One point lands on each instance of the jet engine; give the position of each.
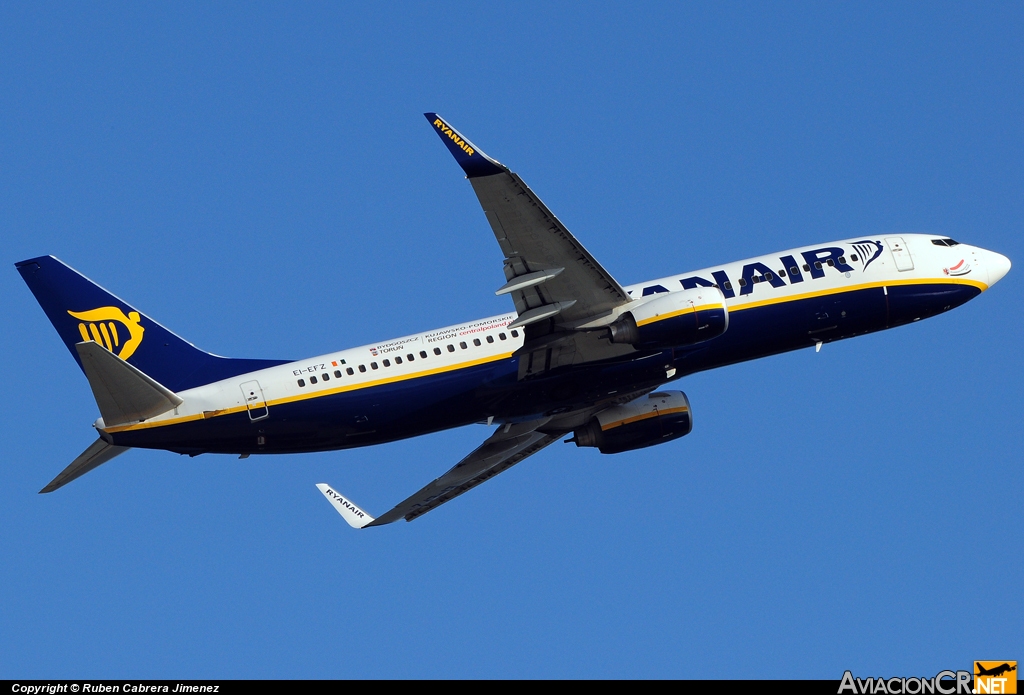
(659, 417)
(673, 319)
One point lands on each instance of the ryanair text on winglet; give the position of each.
(454, 136)
(346, 504)
(943, 683)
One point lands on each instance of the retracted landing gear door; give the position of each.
(254, 400)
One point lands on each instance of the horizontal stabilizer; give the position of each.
(355, 516)
(123, 393)
(97, 454)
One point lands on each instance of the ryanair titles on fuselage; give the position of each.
(812, 264)
(443, 127)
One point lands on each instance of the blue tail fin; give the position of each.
(81, 310)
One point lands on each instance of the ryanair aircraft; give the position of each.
(581, 356)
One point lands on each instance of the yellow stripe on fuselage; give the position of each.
(472, 363)
(853, 288)
(314, 394)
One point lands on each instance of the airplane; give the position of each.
(582, 356)
(995, 670)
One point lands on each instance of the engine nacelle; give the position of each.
(660, 417)
(673, 318)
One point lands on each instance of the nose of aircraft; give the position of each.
(997, 266)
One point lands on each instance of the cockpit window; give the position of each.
(945, 242)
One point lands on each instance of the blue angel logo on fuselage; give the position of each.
(868, 251)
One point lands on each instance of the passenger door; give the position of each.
(254, 401)
(900, 254)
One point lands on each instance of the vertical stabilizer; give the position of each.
(82, 311)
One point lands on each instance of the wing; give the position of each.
(498, 453)
(510, 444)
(507, 446)
(549, 274)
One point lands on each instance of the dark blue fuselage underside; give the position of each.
(441, 401)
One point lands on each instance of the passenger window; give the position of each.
(807, 268)
(476, 341)
(782, 273)
(728, 285)
(490, 339)
(831, 263)
(362, 367)
(462, 345)
(437, 351)
(515, 333)
(817, 264)
(853, 258)
(768, 276)
(325, 376)
(410, 358)
(794, 271)
(756, 279)
(398, 360)
(373, 365)
(501, 336)
(302, 382)
(423, 355)
(451, 348)
(337, 373)
(387, 363)
(312, 379)
(350, 372)
(842, 259)
(743, 282)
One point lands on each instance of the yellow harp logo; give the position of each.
(101, 325)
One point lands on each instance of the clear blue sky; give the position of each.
(260, 179)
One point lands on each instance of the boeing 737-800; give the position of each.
(581, 356)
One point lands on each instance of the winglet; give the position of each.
(474, 162)
(355, 516)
